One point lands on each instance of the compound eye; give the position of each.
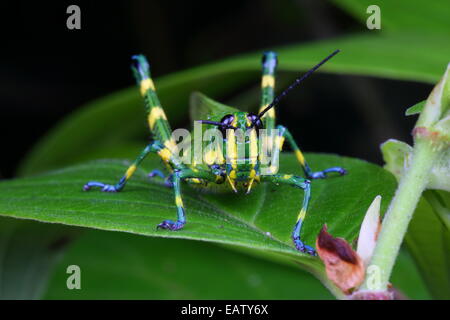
(255, 120)
(227, 120)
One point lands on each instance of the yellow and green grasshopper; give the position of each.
(229, 169)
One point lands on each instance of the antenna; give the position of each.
(296, 83)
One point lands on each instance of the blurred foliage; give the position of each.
(412, 16)
(28, 253)
(118, 118)
(428, 239)
(122, 266)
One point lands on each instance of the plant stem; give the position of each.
(399, 214)
(338, 294)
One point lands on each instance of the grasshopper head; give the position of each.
(237, 120)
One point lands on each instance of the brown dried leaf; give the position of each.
(343, 265)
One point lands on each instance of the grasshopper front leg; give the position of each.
(305, 185)
(178, 176)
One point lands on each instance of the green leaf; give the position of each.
(262, 220)
(151, 268)
(399, 15)
(440, 203)
(202, 107)
(415, 109)
(28, 253)
(119, 118)
(124, 266)
(428, 239)
(396, 155)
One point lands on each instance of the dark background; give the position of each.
(47, 71)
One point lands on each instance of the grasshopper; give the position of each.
(225, 171)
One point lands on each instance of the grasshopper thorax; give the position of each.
(240, 147)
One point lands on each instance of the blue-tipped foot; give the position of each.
(341, 171)
(170, 225)
(323, 174)
(300, 246)
(104, 187)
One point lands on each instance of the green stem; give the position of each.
(398, 216)
(338, 294)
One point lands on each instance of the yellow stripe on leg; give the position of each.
(171, 145)
(165, 154)
(145, 85)
(279, 142)
(178, 201)
(301, 215)
(130, 171)
(268, 81)
(156, 113)
(262, 108)
(300, 157)
(270, 113)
